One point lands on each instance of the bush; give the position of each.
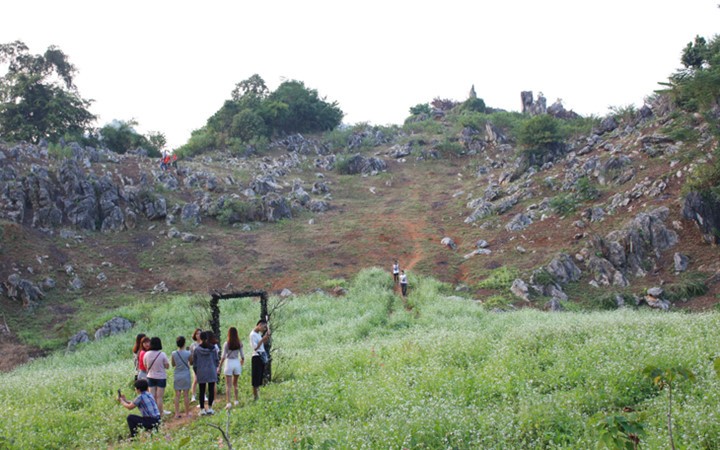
(200, 141)
(237, 211)
(500, 278)
(420, 108)
(540, 136)
(563, 204)
(586, 190)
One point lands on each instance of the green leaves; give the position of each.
(618, 432)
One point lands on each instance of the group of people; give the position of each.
(399, 276)
(196, 368)
(168, 161)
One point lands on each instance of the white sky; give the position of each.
(171, 64)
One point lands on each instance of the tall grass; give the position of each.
(369, 371)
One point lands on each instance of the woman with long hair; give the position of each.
(196, 341)
(205, 362)
(144, 348)
(136, 353)
(232, 355)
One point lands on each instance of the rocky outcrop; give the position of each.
(705, 212)
(113, 326)
(24, 291)
(640, 243)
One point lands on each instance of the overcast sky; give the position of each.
(172, 64)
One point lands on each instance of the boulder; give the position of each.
(448, 242)
(190, 214)
(705, 212)
(681, 262)
(23, 290)
(113, 326)
(563, 269)
(79, 338)
(520, 289)
(519, 223)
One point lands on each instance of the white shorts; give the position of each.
(233, 367)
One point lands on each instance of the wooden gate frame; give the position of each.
(215, 319)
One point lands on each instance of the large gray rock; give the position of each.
(681, 262)
(190, 214)
(23, 290)
(519, 223)
(79, 338)
(563, 269)
(276, 208)
(81, 203)
(705, 212)
(113, 326)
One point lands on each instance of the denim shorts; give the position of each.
(157, 382)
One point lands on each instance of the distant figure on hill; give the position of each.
(174, 161)
(145, 402)
(396, 271)
(181, 360)
(259, 355)
(156, 362)
(232, 355)
(403, 283)
(205, 361)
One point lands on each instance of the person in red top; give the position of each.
(145, 347)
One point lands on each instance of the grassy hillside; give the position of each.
(369, 371)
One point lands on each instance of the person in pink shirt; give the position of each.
(156, 363)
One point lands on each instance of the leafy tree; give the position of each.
(253, 86)
(541, 136)
(38, 99)
(420, 108)
(120, 137)
(306, 111)
(666, 377)
(474, 104)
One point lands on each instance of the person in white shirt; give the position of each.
(259, 356)
(396, 271)
(234, 359)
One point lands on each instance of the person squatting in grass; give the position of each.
(181, 360)
(234, 358)
(259, 356)
(150, 414)
(136, 353)
(403, 283)
(196, 342)
(205, 362)
(156, 362)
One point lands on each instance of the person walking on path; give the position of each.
(181, 360)
(234, 358)
(403, 283)
(156, 362)
(259, 356)
(205, 361)
(396, 271)
(150, 418)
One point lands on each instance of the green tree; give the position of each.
(38, 99)
(420, 108)
(120, 136)
(306, 111)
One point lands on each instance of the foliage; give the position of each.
(696, 87)
(691, 284)
(665, 377)
(500, 278)
(38, 99)
(120, 136)
(473, 104)
(362, 371)
(585, 190)
(706, 179)
(619, 432)
(420, 108)
(237, 211)
(253, 114)
(540, 135)
(563, 204)
(496, 301)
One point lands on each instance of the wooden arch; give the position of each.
(215, 319)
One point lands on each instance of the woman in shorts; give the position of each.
(234, 359)
(156, 363)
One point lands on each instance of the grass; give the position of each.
(361, 371)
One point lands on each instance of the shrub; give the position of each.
(420, 108)
(237, 211)
(201, 140)
(563, 204)
(585, 189)
(500, 278)
(540, 136)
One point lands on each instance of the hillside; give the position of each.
(593, 225)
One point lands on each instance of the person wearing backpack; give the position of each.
(181, 360)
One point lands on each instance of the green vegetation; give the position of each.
(361, 371)
(254, 114)
(120, 137)
(500, 278)
(38, 99)
(540, 136)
